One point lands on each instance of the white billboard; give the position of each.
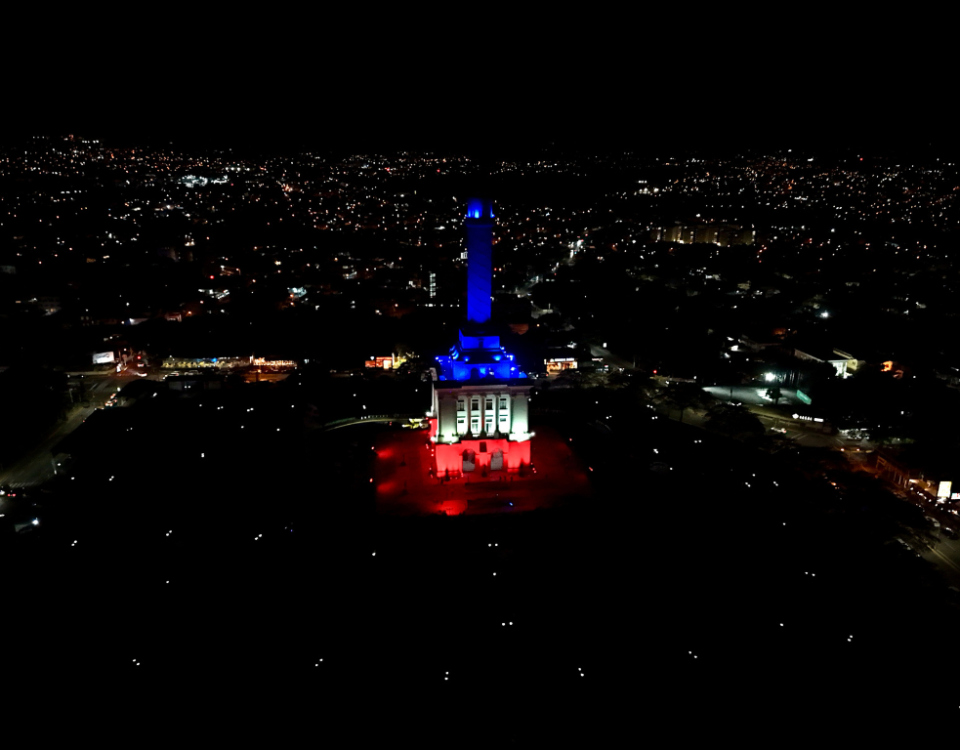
(944, 490)
(104, 358)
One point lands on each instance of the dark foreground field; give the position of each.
(274, 578)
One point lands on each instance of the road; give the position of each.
(754, 398)
(796, 431)
(752, 395)
(946, 556)
(946, 552)
(35, 466)
(609, 357)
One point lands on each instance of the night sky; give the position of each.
(501, 86)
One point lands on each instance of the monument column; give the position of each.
(479, 223)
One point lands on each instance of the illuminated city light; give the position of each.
(845, 196)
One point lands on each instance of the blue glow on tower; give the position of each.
(478, 354)
(479, 223)
(478, 208)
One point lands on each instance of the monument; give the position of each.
(479, 420)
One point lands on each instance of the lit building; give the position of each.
(393, 362)
(480, 397)
(555, 365)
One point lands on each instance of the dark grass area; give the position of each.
(621, 587)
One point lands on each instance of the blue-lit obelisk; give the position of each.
(479, 225)
(480, 399)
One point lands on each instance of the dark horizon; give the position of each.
(509, 148)
(727, 108)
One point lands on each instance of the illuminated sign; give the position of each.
(261, 362)
(104, 358)
(944, 490)
(383, 363)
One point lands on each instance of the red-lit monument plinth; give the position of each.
(494, 454)
(409, 480)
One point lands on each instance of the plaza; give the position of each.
(407, 484)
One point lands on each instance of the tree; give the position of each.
(734, 421)
(571, 377)
(684, 396)
(777, 444)
(593, 379)
(621, 379)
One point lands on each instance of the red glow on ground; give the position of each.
(407, 482)
(449, 458)
(453, 507)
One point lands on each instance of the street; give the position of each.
(797, 431)
(609, 358)
(946, 556)
(945, 553)
(36, 465)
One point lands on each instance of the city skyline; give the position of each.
(264, 427)
(770, 82)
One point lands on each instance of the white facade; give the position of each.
(488, 411)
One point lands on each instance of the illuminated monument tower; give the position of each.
(480, 399)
